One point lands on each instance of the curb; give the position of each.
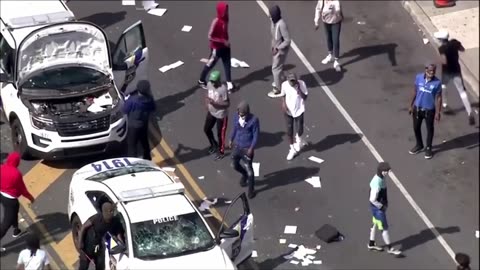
(424, 22)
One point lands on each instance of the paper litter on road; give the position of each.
(306, 263)
(292, 246)
(157, 11)
(201, 177)
(294, 262)
(228, 202)
(310, 257)
(171, 66)
(314, 181)
(290, 229)
(128, 2)
(315, 159)
(234, 62)
(168, 169)
(425, 41)
(318, 246)
(254, 254)
(476, 234)
(186, 28)
(282, 241)
(361, 23)
(256, 169)
(297, 208)
(317, 262)
(204, 60)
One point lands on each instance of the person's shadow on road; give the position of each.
(468, 141)
(331, 141)
(262, 74)
(267, 139)
(285, 177)
(171, 103)
(365, 52)
(329, 76)
(105, 19)
(423, 237)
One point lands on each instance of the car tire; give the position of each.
(19, 141)
(76, 226)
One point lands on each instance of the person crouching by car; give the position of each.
(138, 107)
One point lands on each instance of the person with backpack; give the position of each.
(331, 13)
(33, 258)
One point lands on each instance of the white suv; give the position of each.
(59, 82)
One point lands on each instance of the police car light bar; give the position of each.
(142, 193)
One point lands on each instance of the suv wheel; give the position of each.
(19, 141)
(76, 226)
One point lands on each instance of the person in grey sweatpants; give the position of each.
(280, 47)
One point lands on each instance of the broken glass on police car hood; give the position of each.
(64, 45)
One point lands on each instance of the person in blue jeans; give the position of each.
(243, 140)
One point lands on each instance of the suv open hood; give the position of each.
(63, 44)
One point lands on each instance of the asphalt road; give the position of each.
(381, 56)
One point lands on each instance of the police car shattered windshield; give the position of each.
(170, 237)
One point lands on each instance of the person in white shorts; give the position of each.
(33, 258)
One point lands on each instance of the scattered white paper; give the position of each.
(290, 229)
(361, 23)
(318, 247)
(292, 246)
(171, 66)
(206, 203)
(315, 159)
(282, 241)
(301, 252)
(297, 208)
(476, 234)
(157, 11)
(317, 262)
(314, 181)
(306, 263)
(425, 41)
(103, 100)
(128, 2)
(22, 220)
(168, 169)
(201, 177)
(294, 262)
(94, 108)
(254, 254)
(186, 28)
(234, 62)
(256, 169)
(204, 60)
(228, 202)
(164, 69)
(310, 257)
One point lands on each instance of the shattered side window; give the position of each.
(170, 237)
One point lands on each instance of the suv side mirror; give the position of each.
(5, 78)
(229, 233)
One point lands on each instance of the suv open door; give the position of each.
(130, 58)
(240, 247)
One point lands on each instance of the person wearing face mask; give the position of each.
(294, 107)
(331, 13)
(280, 47)
(243, 140)
(426, 103)
(378, 206)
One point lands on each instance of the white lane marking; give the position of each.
(367, 143)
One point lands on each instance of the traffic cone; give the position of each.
(443, 3)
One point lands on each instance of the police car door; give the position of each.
(117, 254)
(130, 58)
(241, 247)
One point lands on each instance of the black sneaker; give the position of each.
(202, 84)
(428, 153)
(374, 247)
(243, 182)
(212, 150)
(415, 150)
(471, 120)
(16, 233)
(252, 194)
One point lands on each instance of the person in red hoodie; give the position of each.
(219, 46)
(11, 188)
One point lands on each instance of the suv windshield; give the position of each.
(66, 78)
(170, 237)
(135, 168)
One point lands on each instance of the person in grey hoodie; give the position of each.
(280, 47)
(331, 13)
(138, 107)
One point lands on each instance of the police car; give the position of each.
(163, 228)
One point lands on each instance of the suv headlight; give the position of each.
(42, 123)
(116, 115)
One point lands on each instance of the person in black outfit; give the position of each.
(91, 236)
(138, 108)
(463, 261)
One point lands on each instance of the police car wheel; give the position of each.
(76, 226)
(19, 141)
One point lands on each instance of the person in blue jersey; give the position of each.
(378, 205)
(426, 104)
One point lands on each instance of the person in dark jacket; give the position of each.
(243, 140)
(219, 46)
(138, 108)
(11, 188)
(463, 261)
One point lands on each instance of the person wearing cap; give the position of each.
(451, 71)
(293, 105)
(217, 104)
(138, 107)
(426, 104)
(463, 261)
(243, 139)
(378, 206)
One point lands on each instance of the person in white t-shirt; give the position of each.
(293, 105)
(33, 258)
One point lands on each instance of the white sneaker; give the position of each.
(273, 84)
(292, 153)
(299, 143)
(327, 59)
(337, 66)
(229, 86)
(2, 249)
(393, 251)
(275, 94)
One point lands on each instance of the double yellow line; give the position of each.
(42, 176)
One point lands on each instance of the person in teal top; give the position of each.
(378, 206)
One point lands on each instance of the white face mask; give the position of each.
(241, 121)
(385, 173)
